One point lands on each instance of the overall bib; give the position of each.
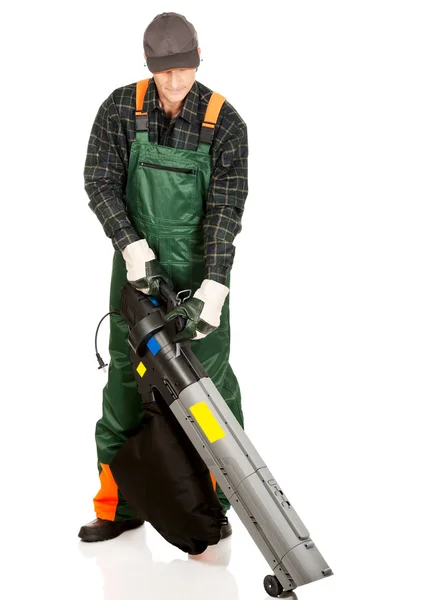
(166, 199)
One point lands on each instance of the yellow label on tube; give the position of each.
(207, 421)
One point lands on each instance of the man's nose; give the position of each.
(175, 79)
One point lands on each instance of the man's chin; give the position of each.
(176, 97)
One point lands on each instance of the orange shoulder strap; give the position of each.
(213, 108)
(141, 92)
(215, 103)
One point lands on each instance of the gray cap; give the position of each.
(170, 42)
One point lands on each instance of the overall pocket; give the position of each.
(168, 193)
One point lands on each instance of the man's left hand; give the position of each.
(202, 312)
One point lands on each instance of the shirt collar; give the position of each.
(189, 110)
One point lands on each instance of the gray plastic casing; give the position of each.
(251, 489)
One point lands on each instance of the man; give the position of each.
(166, 175)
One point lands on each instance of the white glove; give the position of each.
(213, 294)
(202, 312)
(143, 269)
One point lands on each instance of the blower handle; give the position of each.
(172, 299)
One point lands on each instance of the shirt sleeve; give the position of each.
(227, 194)
(105, 175)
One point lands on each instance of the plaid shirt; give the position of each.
(107, 161)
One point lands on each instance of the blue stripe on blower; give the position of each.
(153, 345)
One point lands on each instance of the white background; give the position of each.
(335, 294)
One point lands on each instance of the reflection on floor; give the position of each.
(130, 573)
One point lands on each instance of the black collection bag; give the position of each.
(166, 482)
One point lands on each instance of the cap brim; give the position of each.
(186, 60)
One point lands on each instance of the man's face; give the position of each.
(175, 83)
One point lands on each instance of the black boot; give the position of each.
(226, 528)
(101, 529)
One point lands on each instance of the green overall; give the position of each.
(166, 197)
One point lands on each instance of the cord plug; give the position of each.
(101, 363)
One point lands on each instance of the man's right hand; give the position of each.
(144, 271)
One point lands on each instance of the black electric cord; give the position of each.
(101, 362)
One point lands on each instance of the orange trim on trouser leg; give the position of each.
(213, 481)
(106, 501)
